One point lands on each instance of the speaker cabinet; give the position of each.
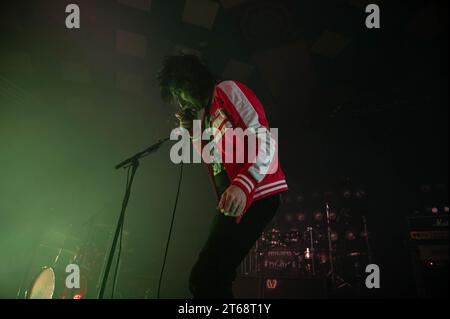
(431, 271)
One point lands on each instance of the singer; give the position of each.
(248, 193)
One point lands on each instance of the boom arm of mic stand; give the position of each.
(142, 154)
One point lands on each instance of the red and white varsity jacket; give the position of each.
(234, 105)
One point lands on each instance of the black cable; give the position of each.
(170, 231)
(116, 270)
(117, 264)
(132, 164)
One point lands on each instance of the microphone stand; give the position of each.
(330, 247)
(132, 162)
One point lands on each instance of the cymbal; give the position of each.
(356, 254)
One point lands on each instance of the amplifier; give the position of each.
(426, 228)
(428, 238)
(428, 235)
(430, 253)
(429, 250)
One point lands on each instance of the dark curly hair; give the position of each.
(185, 72)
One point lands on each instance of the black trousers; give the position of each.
(227, 245)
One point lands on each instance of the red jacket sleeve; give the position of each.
(246, 112)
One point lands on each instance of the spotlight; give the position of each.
(350, 235)
(323, 258)
(360, 194)
(301, 217)
(347, 193)
(334, 235)
(425, 188)
(333, 215)
(287, 198)
(318, 215)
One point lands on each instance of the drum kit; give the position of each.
(47, 272)
(85, 247)
(327, 241)
(327, 238)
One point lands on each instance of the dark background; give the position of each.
(351, 104)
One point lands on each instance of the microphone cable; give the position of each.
(170, 231)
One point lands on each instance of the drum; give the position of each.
(322, 257)
(319, 216)
(43, 285)
(334, 236)
(46, 274)
(280, 260)
(270, 239)
(292, 238)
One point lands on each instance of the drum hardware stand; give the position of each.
(330, 247)
(312, 252)
(336, 281)
(133, 163)
(26, 277)
(257, 259)
(358, 278)
(366, 236)
(339, 282)
(357, 263)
